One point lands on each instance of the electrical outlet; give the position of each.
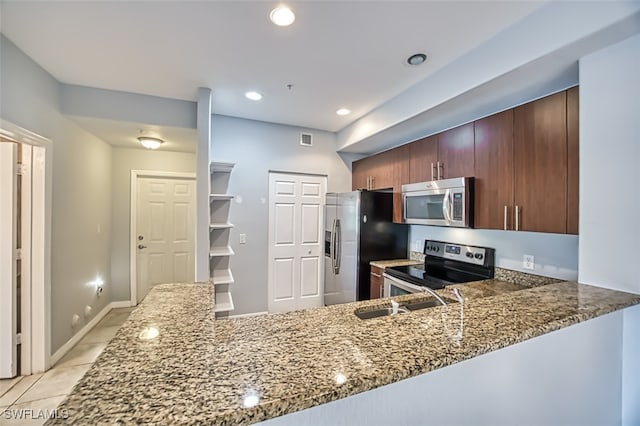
(243, 238)
(528, 261)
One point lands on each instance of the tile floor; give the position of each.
(38, 394)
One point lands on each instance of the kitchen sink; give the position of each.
(424, 304)
(368, 313)
(381, 312)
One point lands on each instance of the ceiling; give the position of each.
(336, 54)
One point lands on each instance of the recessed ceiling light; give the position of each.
(343, 111)
(254, 96)
(417, 59)
(150, 143)
(282, 16)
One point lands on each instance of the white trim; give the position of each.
(121, 304)
(8, 317)
(252, 314)
(135, 174)
(69, 344)
(41, 202)
(25, 268)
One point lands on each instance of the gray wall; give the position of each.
(609, 105)
(125, 160)
(256, 148)
(81, 190)
(556, 255)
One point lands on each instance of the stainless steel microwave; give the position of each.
(446, 202)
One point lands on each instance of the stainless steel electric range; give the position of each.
(444, 264)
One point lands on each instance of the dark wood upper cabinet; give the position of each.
(540, 152)
(382, 172)
(572, 160)
(494, 173)
(360, 173)
(423, 158)
(455, 152)
(402, 159)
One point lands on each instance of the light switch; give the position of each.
(243, 238)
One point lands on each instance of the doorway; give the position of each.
(162, 230)
(24, 285)
(296, 220)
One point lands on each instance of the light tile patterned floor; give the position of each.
(27, 400)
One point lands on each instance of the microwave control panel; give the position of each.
(458, 206)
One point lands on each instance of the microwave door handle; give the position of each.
(445, 206)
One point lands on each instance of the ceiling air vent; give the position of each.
(306, 139)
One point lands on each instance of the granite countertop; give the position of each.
(239, 371)
(395, 262)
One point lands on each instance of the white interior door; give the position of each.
(165, 227)
(296, 241)
(8, 262)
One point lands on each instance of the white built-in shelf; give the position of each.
(220, 197)
(221, 225)
(221, 251)
(221, 167)
(223, 276)
(224, 302)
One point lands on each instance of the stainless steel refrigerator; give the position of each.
(358, 229)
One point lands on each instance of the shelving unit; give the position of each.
(219, 230)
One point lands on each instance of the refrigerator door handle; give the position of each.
(338, 253)
(332, 247)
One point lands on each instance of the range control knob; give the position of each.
(437, 249)
(479, 256)
(469, 254)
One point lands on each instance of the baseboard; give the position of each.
(57, 355)
(252, 314)
(121, 304)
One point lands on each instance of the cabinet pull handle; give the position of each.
(376, 275)
(517, 218)
(381, 290)
(432, 173)
(505, 217)
(373, 182)
(440, 168)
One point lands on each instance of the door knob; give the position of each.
(140, 246)
(309, 252)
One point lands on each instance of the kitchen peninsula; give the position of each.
(172, 362)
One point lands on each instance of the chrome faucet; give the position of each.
(457, 294)
(434, 294)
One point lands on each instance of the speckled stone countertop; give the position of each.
(197, 370)
(395, 262)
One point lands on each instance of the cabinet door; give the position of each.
(360, 171)
(377, 283)
(382, 170)
(573, 186)
(455, 152)
(423, 157)
(400, 177)
(540, 152)
(494, 171)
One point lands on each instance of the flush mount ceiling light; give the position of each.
(417, 59)
(150, 143)
(343, 111)
(254, 96)
(282, 16)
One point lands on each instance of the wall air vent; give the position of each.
(306, 139)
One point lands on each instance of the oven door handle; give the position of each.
(411, 288)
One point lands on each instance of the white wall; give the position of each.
(125, 160)
(80, 172)
(256, 148)
(609, 194)
(555, 255)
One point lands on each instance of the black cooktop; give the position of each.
(417, 275)
(447, 263)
